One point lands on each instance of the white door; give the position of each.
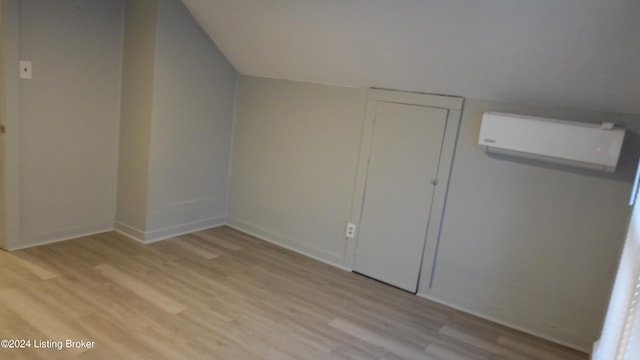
(403, 164)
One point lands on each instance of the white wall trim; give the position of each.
(11, 108)
(61, 235)
(129, 231)
(149, 237)
(182, 229)
(439, 201)
(287, 243)
(494, 316)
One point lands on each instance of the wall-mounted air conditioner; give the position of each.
(591, 146)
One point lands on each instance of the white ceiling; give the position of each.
(570, 53)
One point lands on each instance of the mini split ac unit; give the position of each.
(591, 146)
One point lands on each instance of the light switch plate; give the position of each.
(25, 70)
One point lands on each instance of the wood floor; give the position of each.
(221, 294)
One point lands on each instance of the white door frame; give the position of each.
(454, 105)
(10, 89)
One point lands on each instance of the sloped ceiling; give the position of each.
(571, 53)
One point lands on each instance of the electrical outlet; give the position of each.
(351, 231)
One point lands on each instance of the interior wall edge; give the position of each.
(119, 111)
(10, 89)
(129, 231)
(149, 237)
(136, 92)
(234, 121)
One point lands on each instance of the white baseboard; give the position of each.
(129, 231)
(149, 237)
(61, 235)
(182, 229)
(288, 244)
(557, 337)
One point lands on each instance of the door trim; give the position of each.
(452, 103)
(10, 88)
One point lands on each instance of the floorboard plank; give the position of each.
(223, 294)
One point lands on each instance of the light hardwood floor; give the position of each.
(221, 294)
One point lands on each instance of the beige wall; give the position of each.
(193, 103)
(532, 246)
(295, 156)
(135, 122)
(178, 103)
(68, 117)
(120, 123)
